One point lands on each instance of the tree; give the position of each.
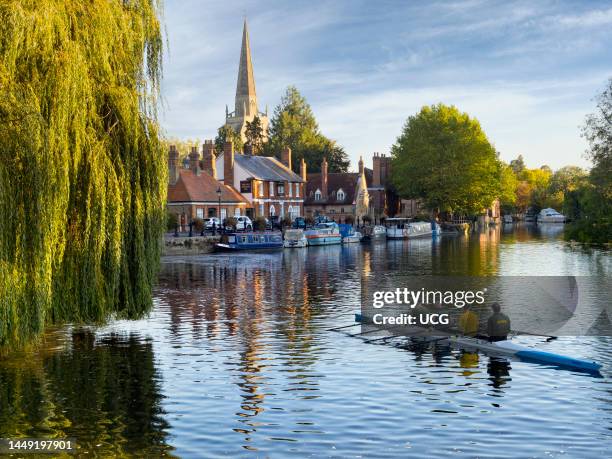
(182, 146)
(444, 158)
(508, 188)
(83, 174)
(225, 134)
(255, 135)
(518, 165)
(598, 132)
(294, 125)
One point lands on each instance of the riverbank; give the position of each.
(184, 245)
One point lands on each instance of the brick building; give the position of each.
(194, 192)
(269, 185)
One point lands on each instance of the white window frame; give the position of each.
(318, 195)
(262, 209)
(290, 186)
(199, 212)
(237, 212)
(271, 188)
(223, 214)
(340, 195)
(272, 210)
(260, 189)
(297, 190)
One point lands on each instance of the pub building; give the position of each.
(270, 187)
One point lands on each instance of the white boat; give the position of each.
(403, 228)
(550, 215)
(508, 219)
(294, 238)
(355, 237)
(324, 234)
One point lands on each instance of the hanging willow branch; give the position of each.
(82, 174)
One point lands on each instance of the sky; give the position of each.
(528, 71)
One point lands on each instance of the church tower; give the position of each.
(245, 105)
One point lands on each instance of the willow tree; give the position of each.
(82, 172)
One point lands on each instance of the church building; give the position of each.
(245, 104)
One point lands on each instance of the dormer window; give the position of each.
(340, 195)
(318, 195)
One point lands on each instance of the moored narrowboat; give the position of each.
(324, 234)
(269, 240)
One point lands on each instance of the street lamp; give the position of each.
(219, 208)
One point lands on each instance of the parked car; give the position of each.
(299, 223)
(208, 223)
(244, 223)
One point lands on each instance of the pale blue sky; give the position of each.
(527, 70)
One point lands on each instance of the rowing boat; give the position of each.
(511, 349)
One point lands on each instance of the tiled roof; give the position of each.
(335, 180)
(201, 188)
(265, 168)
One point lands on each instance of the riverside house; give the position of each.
(194, 192)
(270, 187)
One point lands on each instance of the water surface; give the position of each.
(237, 359)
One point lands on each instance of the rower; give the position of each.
(468, 322)
(498, 325)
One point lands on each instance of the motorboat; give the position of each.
(550, 215)
(403, 228)
(295, 238)
(324, 234)
(348, 233)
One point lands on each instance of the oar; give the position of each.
(548, 337)
(340, 328)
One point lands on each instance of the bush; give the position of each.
(259, 224)
(286, 221)
(590, 232)
(230, 222)
(171, 221)
(366, 219)
(309, 220)
(349, 220)
(198, 224)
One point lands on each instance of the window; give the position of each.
(297, 190)
(200, 212)
(237, 212)
(272, 211)
(280, 189)
(271, 188)
(290, 186)
(261, 209)
(260, 189)
(223, 214)
(318, 195)
(340, 195)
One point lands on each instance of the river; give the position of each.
(236, 358)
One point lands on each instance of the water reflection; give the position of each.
(104, 391)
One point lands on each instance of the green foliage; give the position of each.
(230, 222)
(259, 224)
(294, 125)
(255, 135)
(508, 187)
(171, 221)
(444, 158)
(82, 171)
(225, 134)
(198, 224)
(518, 165)
(590, 203)
(182, 146)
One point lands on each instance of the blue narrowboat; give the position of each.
(270, 240)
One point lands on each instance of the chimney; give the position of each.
(228, 163)
(173, 166)
(209, 158)
(324, 178)
(286, 157)
(303, 169)
(360, 166)
(194, 161)
(376, 170)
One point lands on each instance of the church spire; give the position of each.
(246, 99)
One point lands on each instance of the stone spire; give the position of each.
(246, 99)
